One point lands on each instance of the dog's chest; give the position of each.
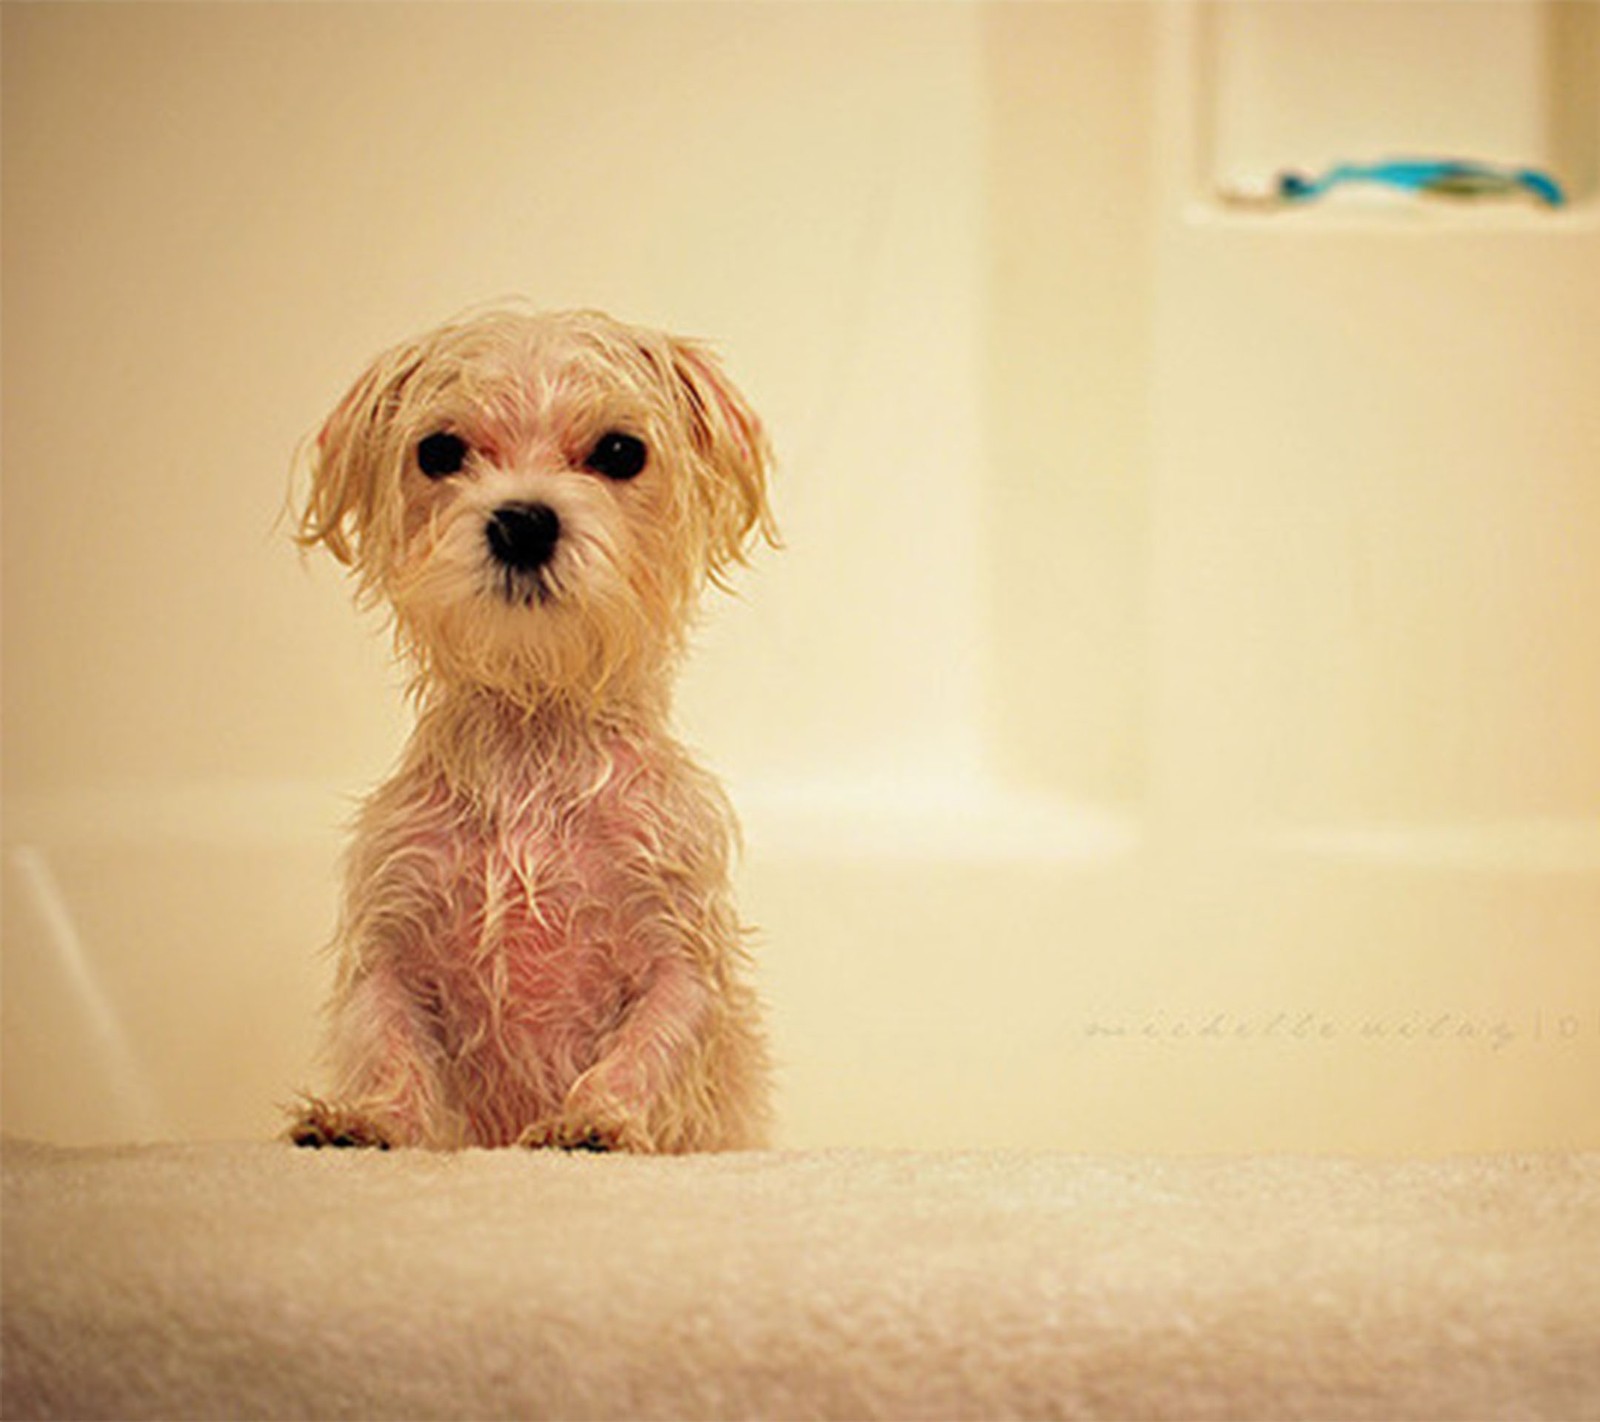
(547, 915)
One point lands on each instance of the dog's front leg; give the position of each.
(623, 1101)
(387, 1086)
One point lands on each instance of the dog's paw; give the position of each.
(559, 1135)
(577, 1136)
(318, 1123)
(592, 1126)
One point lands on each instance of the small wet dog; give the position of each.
(538, 944)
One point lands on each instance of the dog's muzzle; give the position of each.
(522, 537)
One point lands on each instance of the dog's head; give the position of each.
(540, 498)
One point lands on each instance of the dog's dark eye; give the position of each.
(441, 454)
(617, 456)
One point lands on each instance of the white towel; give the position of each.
(258, 1281)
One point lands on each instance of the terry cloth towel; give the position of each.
(259, 1281)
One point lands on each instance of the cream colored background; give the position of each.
(1175, 722)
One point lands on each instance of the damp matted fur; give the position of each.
(538, 943)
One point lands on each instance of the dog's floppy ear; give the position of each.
(734, 453)
(347, 501)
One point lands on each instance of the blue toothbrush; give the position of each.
(1445, 178)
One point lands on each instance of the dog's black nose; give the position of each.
(523, 536)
